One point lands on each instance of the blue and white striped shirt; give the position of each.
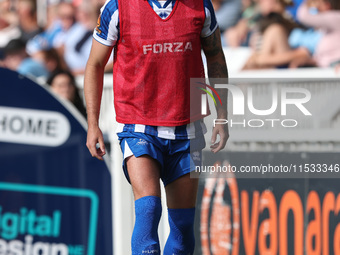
(109, 19)
(109, 35)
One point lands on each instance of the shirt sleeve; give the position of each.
(107, 29)
(210, 23)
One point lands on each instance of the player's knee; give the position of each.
(148, 212)
(181, 240)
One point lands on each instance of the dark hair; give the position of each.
(52, 54)
(335, 4)
(276, 18)
(287, 3)
(77, 101)
(14, 46)
(2, 54)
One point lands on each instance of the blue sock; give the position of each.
(145, 233)
(181, 240)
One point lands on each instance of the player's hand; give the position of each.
(222, 131)
(94, 137)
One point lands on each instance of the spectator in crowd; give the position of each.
(63, 84)
(60, 20)
(323, 16)
(51, 60)
(228, 13)
(241, 33)
(275, 31)
(67, 18)
(68, 30)
(16, 58)
(8, 23)
(7, 13)
(49, 37)
(304, 47)
(237, 35)
(78, 41)
(27, 14)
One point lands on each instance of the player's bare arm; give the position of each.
(93, 88)
(217, 68)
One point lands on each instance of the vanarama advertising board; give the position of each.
(55, 199)
(263, 215)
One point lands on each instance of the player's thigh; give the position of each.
(182, 192)
(144, 174)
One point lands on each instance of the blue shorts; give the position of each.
(176, 157)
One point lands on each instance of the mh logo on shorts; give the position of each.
(142, 142)
(150, 251)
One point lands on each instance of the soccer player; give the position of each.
(157, 49)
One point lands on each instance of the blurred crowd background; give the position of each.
(52, 39)
(53, 46)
